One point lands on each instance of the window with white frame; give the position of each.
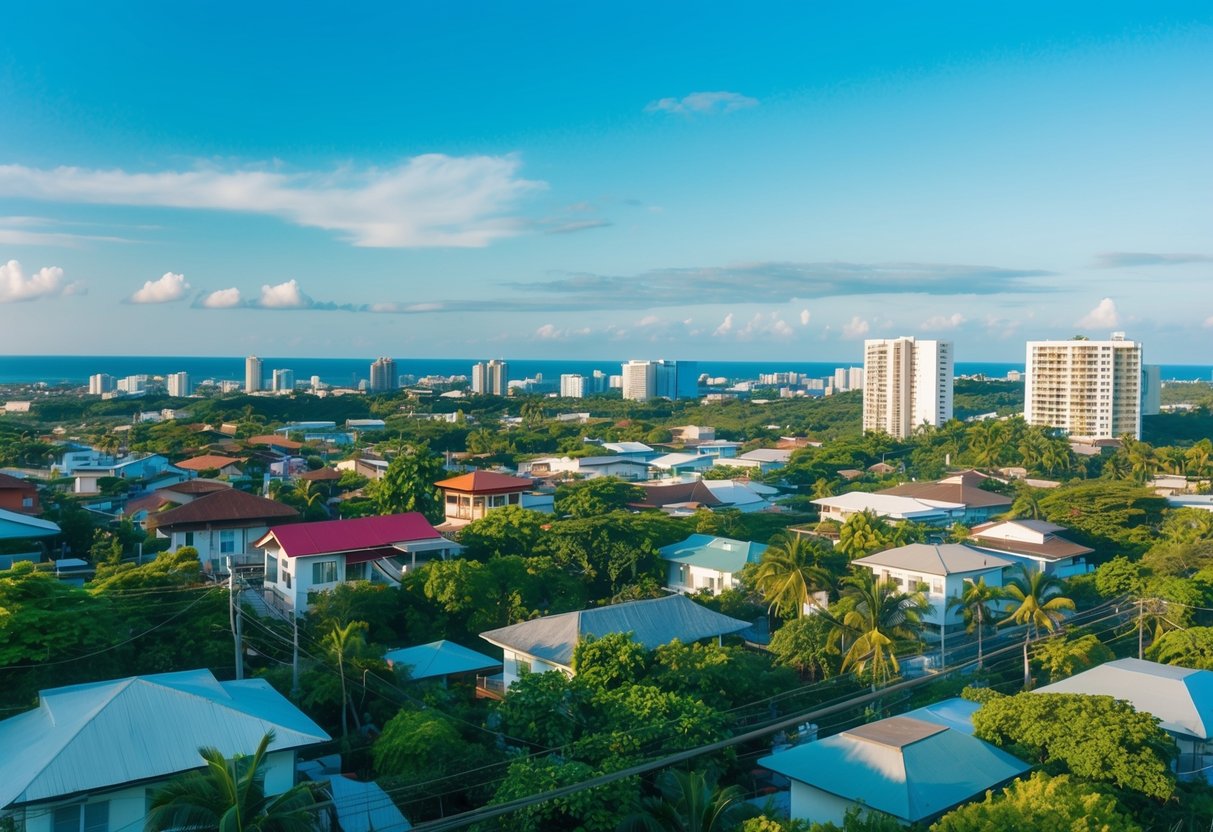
(324, 572)
(227, 542)
(271, 569)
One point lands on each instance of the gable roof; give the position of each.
(202, 463)
(960, 488)
(230, 505)
(652, 622)
(909, 768)
(321, 474)
(1180, 697)
(363, 806)
(656, 496)
(333, 536)
(1009, 536)
(94, 736)
(274, 441)
(484, 482)
(929, 559)
(896, 506)
(13, 524)
(439, 658)
(720, 553)
(195, 487)
(9, 482)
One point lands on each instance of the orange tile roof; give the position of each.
(202, 463)
(484, 482)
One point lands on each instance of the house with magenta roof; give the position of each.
(303, 558)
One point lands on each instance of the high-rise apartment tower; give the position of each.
(906, 384)
(1085, 388)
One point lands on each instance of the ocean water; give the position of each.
(75, 369)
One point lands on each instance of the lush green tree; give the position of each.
(595, 497)
(1188, 525)
(1192, 647)
(341, 644)
(862, 534)
(408, 485)
(591, 810)
(806, 644)
(690, 801)
(1038, 604)
(610, 661)
(879, 620)
(422, 745)
(1097, 738)
(1064, 656)
(545, 709)
(791, 571)
(615, 549)
(1120, 576)
(509, 530)
(501, 591)
(229, 796)
(1114, 517)
(978, 602)
(857, 820)
(726, 676)
(632, 722)
(1041, 802)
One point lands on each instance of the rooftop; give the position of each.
(439, 658)
(929, 559)
(206, 461)
(484, 482)
(720, 553)
(229, 505)
(334, 536)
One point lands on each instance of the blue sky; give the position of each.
(622, 180)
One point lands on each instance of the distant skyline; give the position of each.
(555, 181)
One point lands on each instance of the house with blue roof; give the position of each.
(439, 660)
(88, 756)
(704, 561)
(909, 769)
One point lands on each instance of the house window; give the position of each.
(286, 577)
(83, 817)
(514, 499)
(227, 542)
(937, 586)
(356, 571)
(189, 538)
(324, 572)
(27, 502)
(271, 569)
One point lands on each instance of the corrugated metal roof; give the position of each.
(945, 559)
(365, 807)
(228, 505)
(912, 779)
(483, 482)
(439, 658)
(652, 623)
(332, 536)
(1180, 697)
(722, 554)
(955, 713)
(95, 736)
(14, 525)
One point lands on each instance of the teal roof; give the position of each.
(954, 713)
(909, 768)
(721, 554)
(440, 658)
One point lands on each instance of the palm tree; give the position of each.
(1027, 503)
(881, 618)
(343, 643)
(789, 573)
(229, 795)
(1196, 458)
(861, 534)
(987, 443)
(690, 802)
(975, 602)
(1041, 605)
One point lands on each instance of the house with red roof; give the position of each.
(221, 524)
(18, 495)
(471, 496)
(227, 466)
(303, 558)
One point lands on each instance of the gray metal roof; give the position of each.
(947, 559)
(88, 737)
(439, 658)
(362, 806)
(1180, 697)
(652, 623)
(908, 768)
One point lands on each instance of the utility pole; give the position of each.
(1141, 626)
(234, 616)
(295, 656)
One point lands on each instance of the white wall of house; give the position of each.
(686, 577)
(941, 588)
(123, 809)
(514, 664)
(812, 804)
(214, 545)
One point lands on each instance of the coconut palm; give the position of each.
(861, 534)
(790, 572)
(975, 602)
(987, 443)
(1041, 605)
(1027, 503)
(343, 643)
(1197, 458)
(229, 795)
(881, 619)
(690, 802)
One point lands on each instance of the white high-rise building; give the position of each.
(906, 384)
(840, 379)
(855, 378)
(639, 380)
(572, 386)
(644, 380)
(1086, 388)
(100, 384)
(132, 384)
(383, 374)
(253, 379)
(283, 381)
(178, 384)
(491, 378)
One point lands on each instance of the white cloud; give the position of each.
(222, 299)
(284, 296)
(759, 326)
(804, 317)
(719, 101)
(938, 322)
(16, 286)
(168, 288)
(428, 200)
(550, 332)
(726, 326)
(1103, 316)
(856, 328)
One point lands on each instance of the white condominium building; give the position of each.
(178, 384)
(491, 378)
(572, 386)
(253, 378)
(1086, 388)
(906, 384)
